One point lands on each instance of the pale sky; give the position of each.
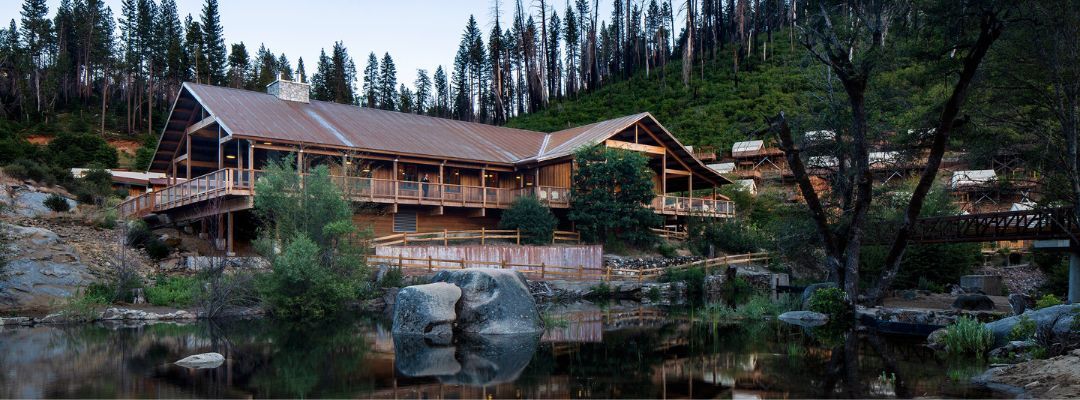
(417, 33)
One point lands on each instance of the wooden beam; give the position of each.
(198, 126)
(643, 148)
(676, 172)
(657, 139)
(197, 163)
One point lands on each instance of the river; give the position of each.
(618, 350)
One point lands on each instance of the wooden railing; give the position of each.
(671, 233)
(543, 271)
(445, 237)
(693, 206)
(206, 187)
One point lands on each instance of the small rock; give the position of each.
(804, 318)
(426, 309)
(202, 361)
(1019, 303)
(936, 339)
(909, 294)
(975, 302)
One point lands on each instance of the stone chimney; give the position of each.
(289, 90)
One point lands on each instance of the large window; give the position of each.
(453, 176)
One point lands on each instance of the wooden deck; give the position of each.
(232, 182)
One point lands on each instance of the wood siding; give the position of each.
(453, 219)
(557, 175)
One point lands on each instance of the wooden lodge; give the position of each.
(425, 174)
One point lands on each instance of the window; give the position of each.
(453, 176)
(492, 179)
(405, 221)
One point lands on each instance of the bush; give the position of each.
(69, 150)
(176, 291)
(532, 217)
(830, 301)
(57, 203)
(610, 188)
(1048, 300)
(602, 290)
(694, 278)
(138, 234)
(1023, 330)
(730, 236)
(106, 219)
(666, 249)
(156, 249)
(392, 278)
(300, 286)
(968, 336)
(26, 169)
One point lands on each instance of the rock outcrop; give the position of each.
(29, 202)
(804, 318)
(1059, 318)
(973, 302)
(472, 360)
(41, 268)
(426, 309)
(493, 301)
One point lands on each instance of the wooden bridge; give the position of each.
(1038, 224)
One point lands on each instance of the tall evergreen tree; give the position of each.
(336, 76)
(213, 43)
(301, 73)
(196, 53)
(423, 91)
(442, 93)
(405, 101)
(284, 67)
(388, 83)
(266, 68)
(239, 65)
(37, 37)
(371, 82)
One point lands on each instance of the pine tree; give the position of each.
(320, 88)
(196, 54)
(442, 93)
(371, 82)
(37, 37)
(335, 76)
(387, 83)
(423, 91)
(213, 43)
(175, 61)
(239, 64)
(266, 68)
(284, 67)
(405, 100)
(301, 73)
(570, 36)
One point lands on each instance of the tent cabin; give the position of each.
(752, 158)
(425, 174)
(982, 190)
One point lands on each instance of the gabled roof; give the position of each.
(564, 142)
(254, 114)
(973, 178)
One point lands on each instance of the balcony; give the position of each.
(231, 182)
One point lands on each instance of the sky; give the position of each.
(418, 34)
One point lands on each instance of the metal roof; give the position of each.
(256, 114)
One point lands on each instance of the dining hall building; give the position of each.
(421, 173)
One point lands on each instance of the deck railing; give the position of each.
(693, 206)
(232, 181)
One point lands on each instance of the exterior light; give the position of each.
(366, 169)
(348, 162)
(268, 143)
(230, 156)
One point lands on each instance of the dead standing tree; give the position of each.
(852, 48)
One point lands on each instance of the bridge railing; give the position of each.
(1037, 224)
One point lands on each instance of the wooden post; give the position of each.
(482, 236)
(401, 261)
(518, 236)
(187, 161)
(251, 164)
(503, 266)
(429, 263)
(609, 273)
(462, 260)
(229, 243)
(405, 239)
(445, 237)
(483, 189)
(442, 185)
(542, 272)
(580, 271)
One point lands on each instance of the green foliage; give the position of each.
(87, 305)
(694, 278)
(756, 307)
(300, 286)
(727, 235)
(1048, 300)
(968, 336)
(140, 236)
(1055, 266)
(609, 194)
(601, 290)
(175, 291)
(393, 278)
(830, 301)
(320, 264)
(532, 217)
(70, 150)
(666, 249)
(57, 203)
(145, 154)
(1023, 330)
(95, 187)
(554, 321)
(926, 284)
(106, 219)
(27, 169)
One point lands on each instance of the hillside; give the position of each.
(714, 111)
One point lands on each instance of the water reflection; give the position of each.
(611, 351)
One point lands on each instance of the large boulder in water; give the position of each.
(1059, 318)
(202, 361)
(973, 302)
(426, 309)
(493, 301)
(474, 360)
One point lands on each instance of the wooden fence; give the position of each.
(482, 235)
(670, 234)
(543, 271)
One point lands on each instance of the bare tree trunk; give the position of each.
(990, 30)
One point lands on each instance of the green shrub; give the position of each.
(1048, 300)
(70, 150)
(968, 336)
(300, 286)
(926, 284)
(57, 203)
(532, 217)
(731, 236)
(138, 234)
(601, 290)
(156, 249)
(666, 249)
(1023, 330)
(694, 278)
(175, 291)
(392, 278)
(830, 301)
(106, 219)
(610, 188)
(26, 169)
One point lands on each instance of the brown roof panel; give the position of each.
(249, 113)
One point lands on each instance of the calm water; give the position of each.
(615, 351)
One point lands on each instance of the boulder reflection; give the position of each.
(474, 360)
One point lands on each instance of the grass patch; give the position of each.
(554, 321)
(173, 291)
(968, 336)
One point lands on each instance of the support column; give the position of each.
(1074, 276)
(187, 162)
(229, 241)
